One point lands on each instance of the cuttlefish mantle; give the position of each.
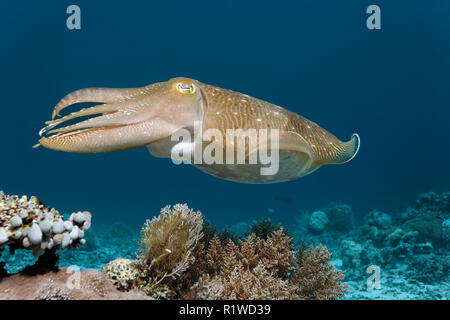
(153, 115)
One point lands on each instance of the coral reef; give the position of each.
(379, 219)
(263, 228)
(175, 262)
(437, 204)
(429, 228)
(411, 245)
(327, 225)
(410, 242)
(28, 224)
(317, 221)
(340, 216)
(181, 256)
(260, 268)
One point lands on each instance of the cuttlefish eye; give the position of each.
(186, 88)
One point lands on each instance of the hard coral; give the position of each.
(379, 219)
(340, 217)
(125, 274)
(28, 224)
(263, 229)
(430, 229)
(317, 221)
(433, 202)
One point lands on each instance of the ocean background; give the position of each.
(316, 58)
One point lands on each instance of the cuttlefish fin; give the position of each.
(346, 151)
(162, 148)
(342, 153)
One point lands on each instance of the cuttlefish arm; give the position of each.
(129, 118)
(149, 116)
(103, 95)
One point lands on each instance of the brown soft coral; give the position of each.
(257, 283)
(268, 269)
(174, 263)
(277, 253)
(315, 277)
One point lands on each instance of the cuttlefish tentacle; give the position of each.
(103, 95)
(101, 108)
(109, 139)
(114, 114)
(131, 118)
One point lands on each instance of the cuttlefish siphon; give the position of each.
(155, 115)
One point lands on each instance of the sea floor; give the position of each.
(107, 243)
(394, 286)
(407, 253)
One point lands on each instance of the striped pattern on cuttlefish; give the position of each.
(150, 115)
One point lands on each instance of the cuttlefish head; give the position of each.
(130, 118)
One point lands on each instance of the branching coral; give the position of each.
(269, 269)
(226, 235)
(242, 274)
(249, 284)
(315, 277)
(277, 253)
(214, 255)
(263, 229)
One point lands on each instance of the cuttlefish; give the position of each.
(151, 116)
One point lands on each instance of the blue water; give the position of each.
(316, 58)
